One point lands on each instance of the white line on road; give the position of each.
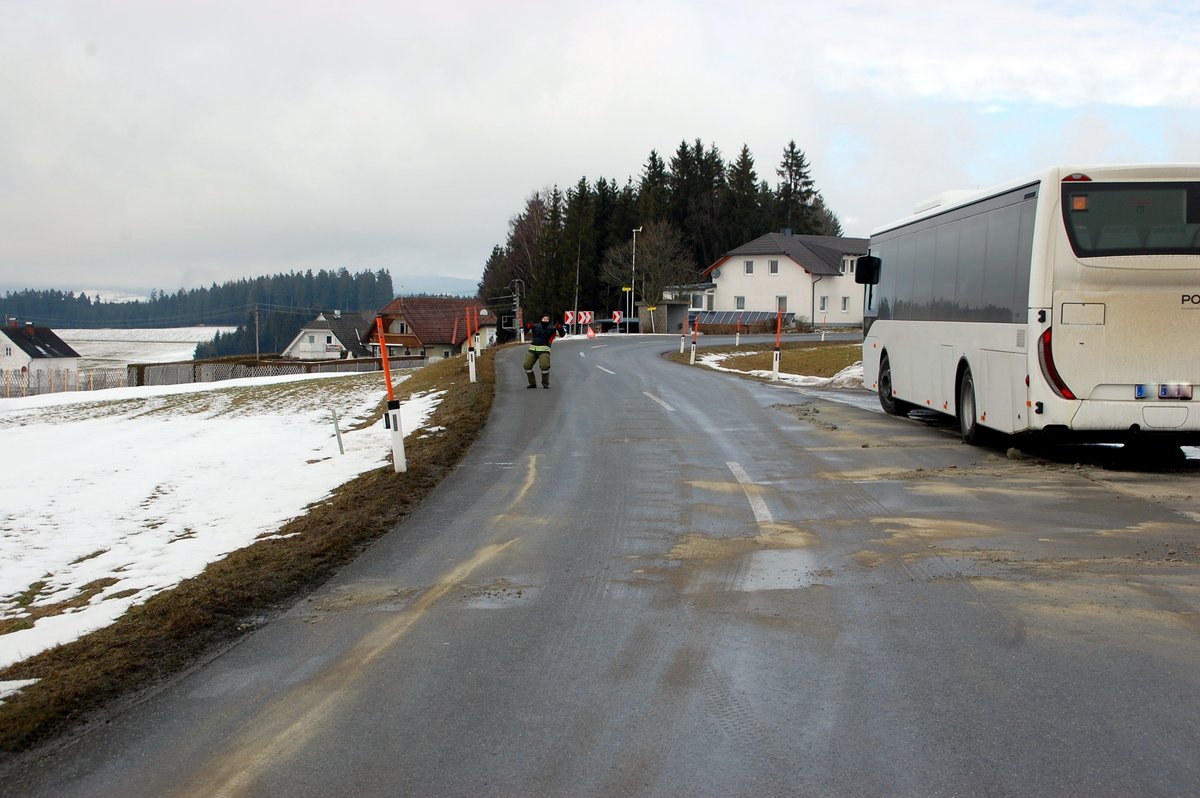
(660, 401)
(606, 371)
(759, 507)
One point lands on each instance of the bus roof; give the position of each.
(949, 200)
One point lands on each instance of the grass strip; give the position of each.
(172, 630)
(811, 358)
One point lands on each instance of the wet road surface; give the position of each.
(658, 580)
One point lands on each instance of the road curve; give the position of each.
(658, 580)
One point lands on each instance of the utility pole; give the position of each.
(256, 355)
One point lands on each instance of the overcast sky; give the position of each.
(149, 144)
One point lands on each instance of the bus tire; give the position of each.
(890, 404)
(968, 424)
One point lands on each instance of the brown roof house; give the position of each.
(34, 360)
(333, 336)
(433, 327)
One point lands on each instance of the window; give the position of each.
(739, 302)
(8, 351)
(312, 339)
(328, 339)
(824, 304)
(697, 301)
(749, 267)
(848, 262)
(773, 267)
(781, 303)
(845, 304)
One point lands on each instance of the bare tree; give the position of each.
(662, 260)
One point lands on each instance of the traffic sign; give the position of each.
(585, 317)
(617, 316)
(568, 317)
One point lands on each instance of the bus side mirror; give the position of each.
(866, 271)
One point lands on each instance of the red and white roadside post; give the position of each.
(391, 418)
(695, 332)
(737, 339)
(470, 345)
(775, 359)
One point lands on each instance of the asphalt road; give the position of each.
(658, 580)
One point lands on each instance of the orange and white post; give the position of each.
(391, 418)
(470, 347)
(695, 332)
(778, 332)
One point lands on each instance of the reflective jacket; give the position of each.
(542, 335)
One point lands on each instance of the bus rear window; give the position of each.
(1110, 219)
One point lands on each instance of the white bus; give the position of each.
(1067, 303)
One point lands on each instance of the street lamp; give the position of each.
(632, 278)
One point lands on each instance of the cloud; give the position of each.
(166, 145)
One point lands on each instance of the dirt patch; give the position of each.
(808, 413)
(771, 536)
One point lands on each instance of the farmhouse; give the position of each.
(808, 277)
(34, 359)
(432, 327)
(332, 337)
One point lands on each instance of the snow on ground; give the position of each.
(112, 348)
(146, 486)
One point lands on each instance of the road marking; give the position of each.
(759, 507)
(660, 401)
(606, 371)
(282, 731)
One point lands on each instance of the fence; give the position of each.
(18, 382)
(21, 382)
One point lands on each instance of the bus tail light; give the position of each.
(1046, 361)
(1078, 177)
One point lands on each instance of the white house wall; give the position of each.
(761, 288)
(316, 349)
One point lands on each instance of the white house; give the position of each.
(333, 338)
(810, 277)
(34, 360)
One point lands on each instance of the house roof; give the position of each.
(817, 254)
(433, 320)
(38, 342)
(351, 330)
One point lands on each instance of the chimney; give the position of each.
(10, 321)
(787, 231)
(29, 328)
(337, 314)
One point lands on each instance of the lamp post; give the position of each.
(632, 279)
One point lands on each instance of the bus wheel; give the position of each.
(967, 424)
(890, 404)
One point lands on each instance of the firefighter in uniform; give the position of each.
(541, 336)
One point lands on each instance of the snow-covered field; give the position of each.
(111, 348)
(143, 487)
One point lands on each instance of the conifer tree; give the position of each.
(794, 197)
